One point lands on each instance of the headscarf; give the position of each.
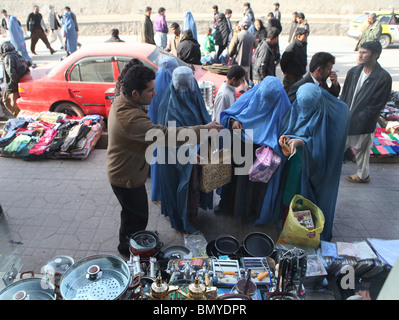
(182, 103)
(17, 38)
(70, 33)
(189, 24)
(262, 109)
(321, 121)
(163, 78)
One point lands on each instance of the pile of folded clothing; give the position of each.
(50, 135)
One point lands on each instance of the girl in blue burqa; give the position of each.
(258, 113)
(163, 78)
(182, 104)
(71, 36)
(189, 24)
(316, 130)
(17, 38)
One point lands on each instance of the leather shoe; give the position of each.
(33, 52)
(53, 51)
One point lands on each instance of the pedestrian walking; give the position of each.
(114, 36)
(55, 27)
(36, 26)
(277, 13)
(75, 21)
(366, 90)
(293, 27)
(70, 34)
(17, 38)
(221, 34)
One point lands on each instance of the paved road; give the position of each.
(341, 47)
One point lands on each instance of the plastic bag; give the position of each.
(196, 243)
(295, 233)
(266, 163)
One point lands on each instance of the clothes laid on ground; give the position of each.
(262, 110)
(34, 136)
(321, 121)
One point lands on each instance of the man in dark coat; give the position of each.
(15, 66)
(222, 33)
(147, 28)
(264, 62)
(294, 59)
(188, 49)
(320, 69)
(36, 26)
(366, 90)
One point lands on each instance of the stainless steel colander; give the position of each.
(101, 277)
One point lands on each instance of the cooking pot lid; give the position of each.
(58, 264)
(102, 277)
(29, 289)
(258, 244)
(143, 241)
(177, 252)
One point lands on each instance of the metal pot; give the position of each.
(99, 277)
(226, 244)
(144, 244)
(29, 289)
(258, 244)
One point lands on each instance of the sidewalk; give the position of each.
(67, 207)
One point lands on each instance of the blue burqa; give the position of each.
(321, 121)
(163, 79)
(262, 110)
(70, 33)
(189, 24)
(182, 103)
(17, 38)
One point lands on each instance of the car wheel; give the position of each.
(70, 109)
(385, 41)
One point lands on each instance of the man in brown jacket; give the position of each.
(147, 29)
(128, 125)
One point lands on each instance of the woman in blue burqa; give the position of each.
(189, 24)
(183, 104)
(163, 78)
(258, 113)
(17, 38)
(316, 129)
(71, 37)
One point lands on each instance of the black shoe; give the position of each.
(53, 51)
(33, 52)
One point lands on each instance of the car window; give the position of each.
(385, 19)
(93, 70)
(361, 18)
(122, 61)
(158, 55)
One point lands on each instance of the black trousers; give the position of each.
(134, 214)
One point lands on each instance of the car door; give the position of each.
(88, 79)
(394, 28)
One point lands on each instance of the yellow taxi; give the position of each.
(389, 21)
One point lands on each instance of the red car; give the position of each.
(78, 84)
